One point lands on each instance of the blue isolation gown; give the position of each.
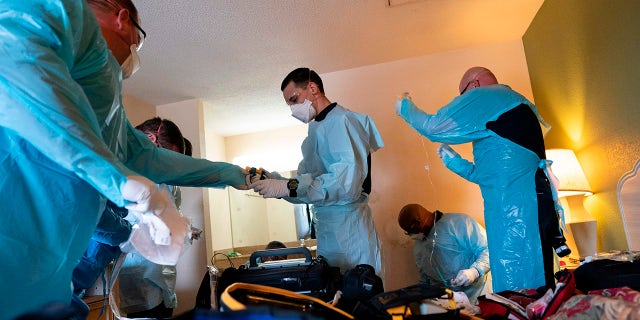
(455, 242)
(505, 172)
(65, 145)
(331, 177)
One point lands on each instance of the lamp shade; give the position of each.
(569, 173)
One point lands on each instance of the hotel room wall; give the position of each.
(187, 115)
(585, 75)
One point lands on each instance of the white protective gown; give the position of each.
(331, 177)
(456, 242)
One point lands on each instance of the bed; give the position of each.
(629, 201)
(619, 300)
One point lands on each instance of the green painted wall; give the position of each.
(584, 63)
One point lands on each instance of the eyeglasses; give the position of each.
(141, 34)
(414, 228)
(467, 86)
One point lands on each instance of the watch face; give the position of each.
(292, 184)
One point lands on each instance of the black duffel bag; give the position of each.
(605, 273)
(308, 275)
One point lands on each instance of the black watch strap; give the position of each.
(292, 185)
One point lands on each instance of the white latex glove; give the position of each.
(160, 234)
(398, 106)
(465, 277)
(143, 195)
(271, 188)
(272, 175)
(446, 153)
(399, 100)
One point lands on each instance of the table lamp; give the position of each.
(573, 187)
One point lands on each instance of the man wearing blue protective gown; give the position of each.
(334, 174)
(509, 162)
(450, 250)
(66, 146)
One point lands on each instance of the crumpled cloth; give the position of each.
(608, 304)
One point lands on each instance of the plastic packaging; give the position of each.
(536, 309)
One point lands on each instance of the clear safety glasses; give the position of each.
(141, 34)
(467, 86)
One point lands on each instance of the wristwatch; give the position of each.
(292, 185)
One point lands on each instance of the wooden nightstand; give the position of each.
(96, 305)
(95, 299)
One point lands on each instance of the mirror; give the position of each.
(253, 220)
(257, 221)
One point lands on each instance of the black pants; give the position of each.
(549, 227)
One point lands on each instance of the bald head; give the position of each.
(476, 77)
(414, 218)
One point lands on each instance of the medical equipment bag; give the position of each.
(308, 275)
(413, 302)
(359, 283)
(513, 305)
(606, 273)
(244, 296)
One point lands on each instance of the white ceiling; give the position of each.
(233, 54)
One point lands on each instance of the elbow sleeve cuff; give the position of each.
(481, 272)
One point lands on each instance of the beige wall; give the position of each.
(137, 110)
(190, 268)
(582, 58)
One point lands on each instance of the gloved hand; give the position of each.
(446, 153)
(143, 195)
(252, 176)
(465, 277)
(159, 238)
(404, 96)
(398, 106)
(272, 175)
(271, 188)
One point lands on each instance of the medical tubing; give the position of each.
(545, 164)
(213, 283)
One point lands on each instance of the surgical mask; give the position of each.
(303, 111)
(131, 64)
(417, 236)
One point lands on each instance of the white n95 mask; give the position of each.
(303, 111)
(417, 236)
(131, 64)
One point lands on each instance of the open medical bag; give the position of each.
(526, 306)
(307, 275)
(413, 302)
(242, 296)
